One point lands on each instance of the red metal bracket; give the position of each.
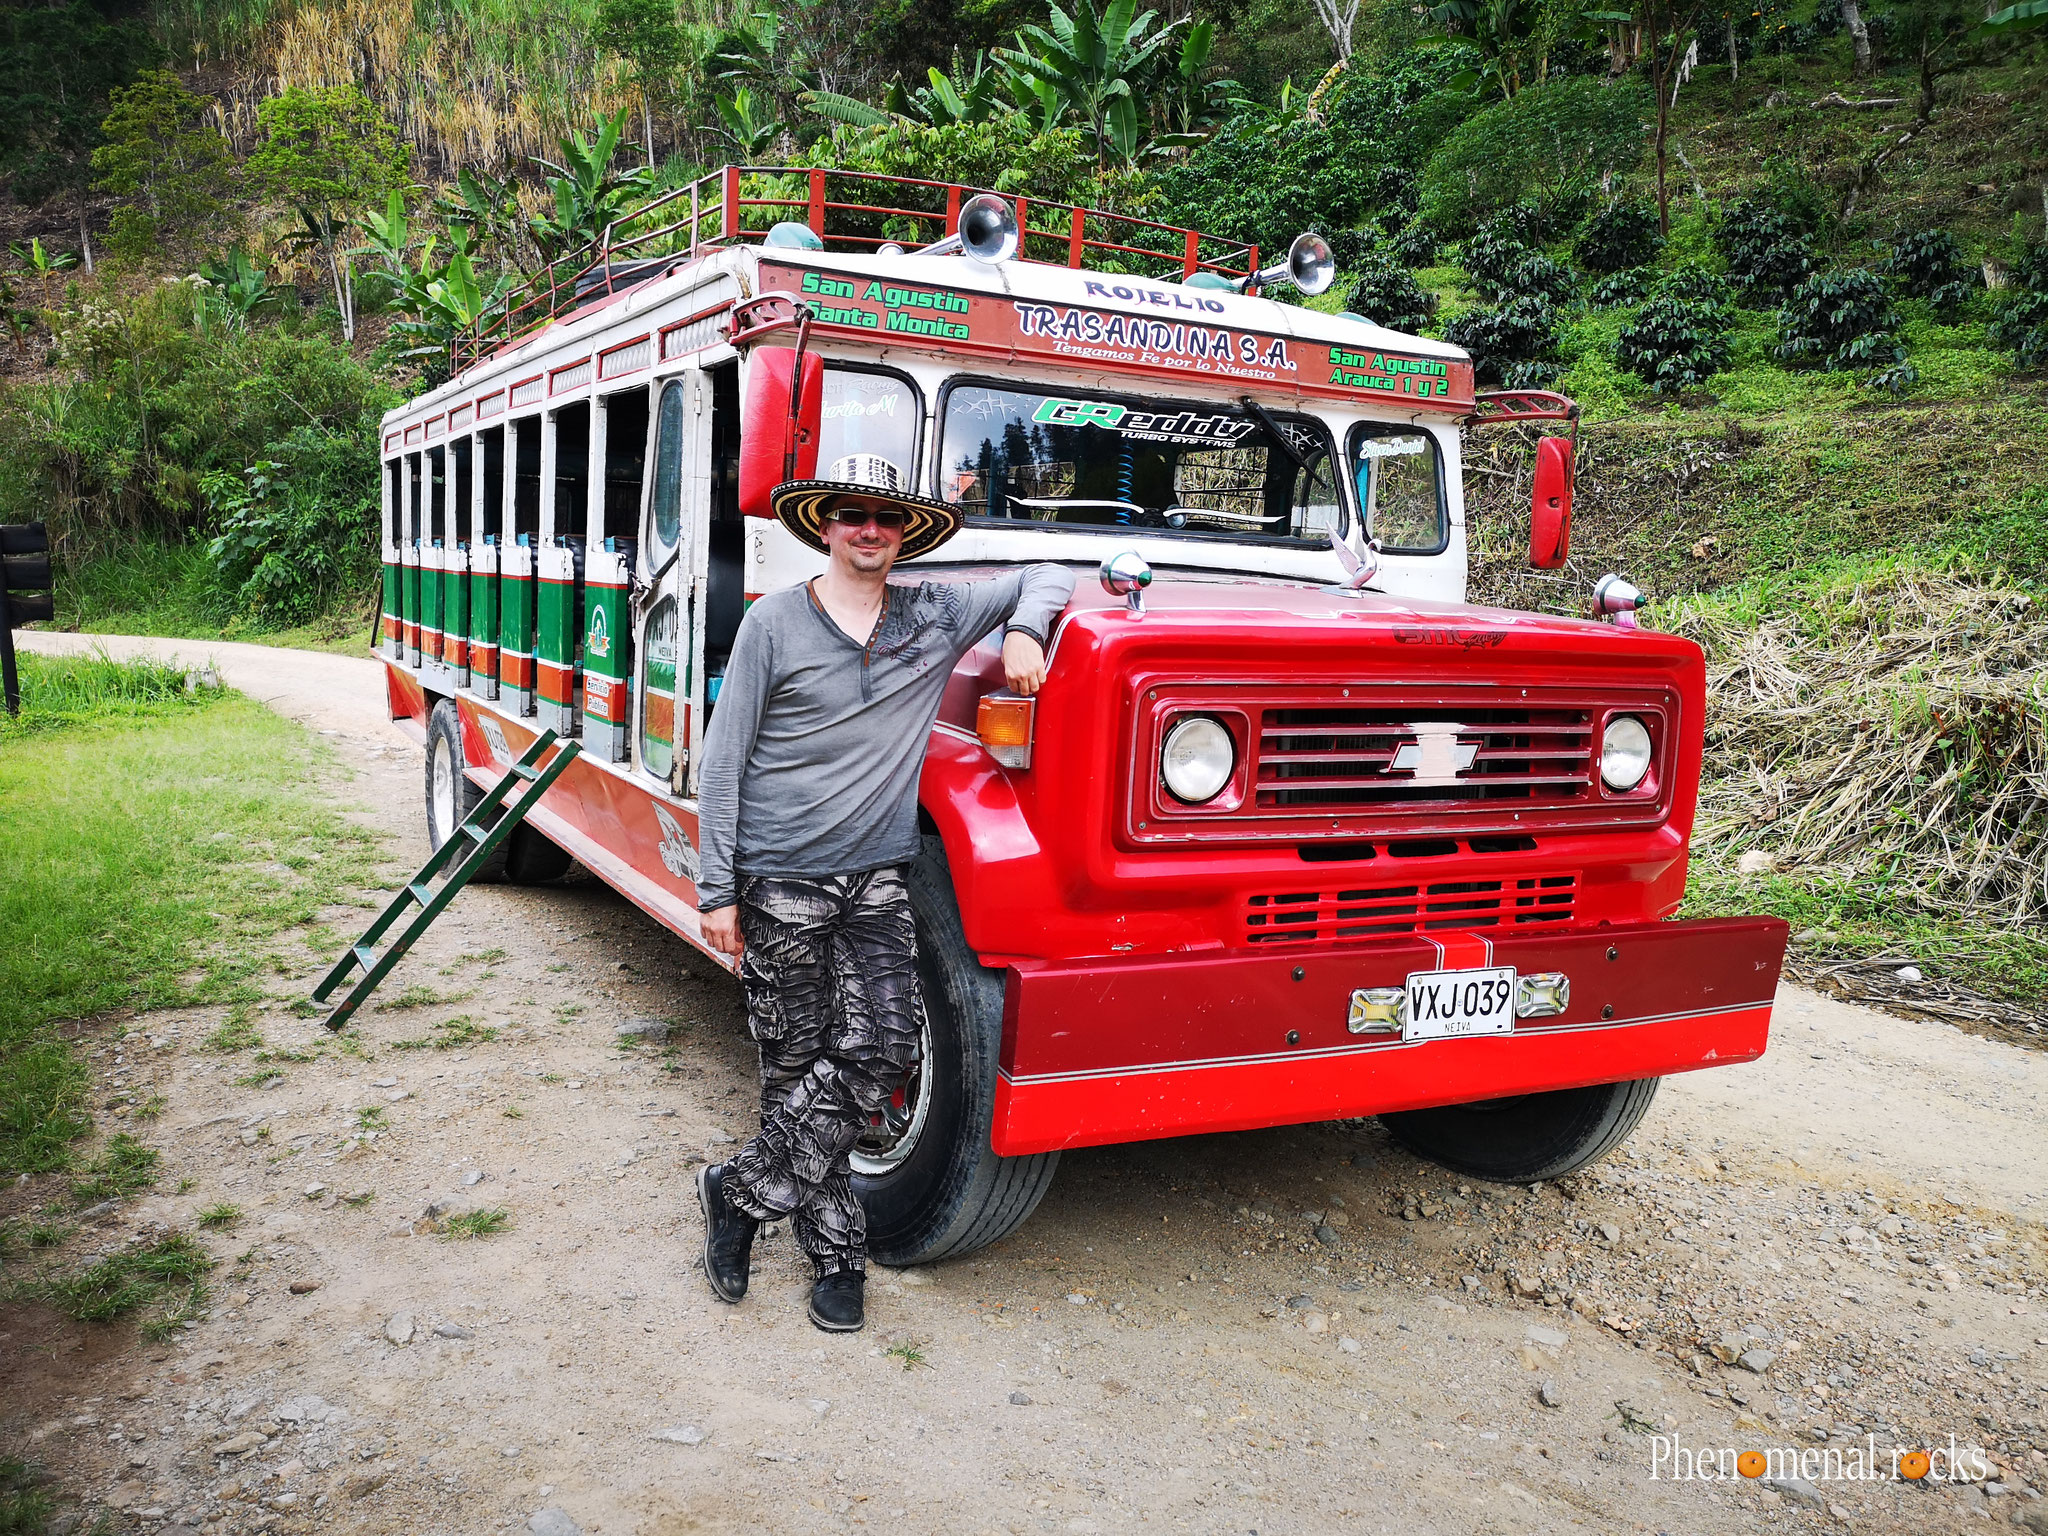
(746, 326)
(1497, 407)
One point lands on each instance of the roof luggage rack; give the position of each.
(853, 211)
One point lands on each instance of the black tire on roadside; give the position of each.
(450, 795)
(526, 857)
(951, 1194)
(1529, 1137)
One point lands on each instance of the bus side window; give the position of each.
(437, 496)
(460, 490)
(526, 479)
(572, 469)
(725, 597)
(394, 516)
(625, 462)
(412, 500)
(490, 521)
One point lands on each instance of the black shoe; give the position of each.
(836, 1301)
(728, 1235)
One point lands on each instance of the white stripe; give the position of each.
(1364, 1048)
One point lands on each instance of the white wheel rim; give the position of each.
(893, 1135)
(443, 791)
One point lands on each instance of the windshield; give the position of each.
(1089, 460)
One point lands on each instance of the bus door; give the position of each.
(455, 559)
(431, 544)
(669, 592)
(517, 560)
(488, 457)
(723, 561)
(565, 513)
(392, 635)
(619, 451)
(413, 494)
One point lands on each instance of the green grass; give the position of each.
(911, 1356)
(450, 1034)
(25, 1510)
(237, 1034)
(220, 1217)
(472, 1224)
(372, 1119)
(135, 823)
(418, 996)
(151, 588)
(167, 1276)
(126, 1168)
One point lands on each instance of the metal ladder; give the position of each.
(456, 860)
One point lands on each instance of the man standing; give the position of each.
(808, 817)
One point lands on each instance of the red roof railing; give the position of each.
(730, 207)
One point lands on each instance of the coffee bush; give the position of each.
(1674, 343)
(1511, 343)
(1617, 237)
(1929, 264)
(1768, 254)
(1843, 322)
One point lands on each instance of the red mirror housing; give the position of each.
(1550, 516)
(767, 420)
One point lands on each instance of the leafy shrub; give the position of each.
(1674, 343)
(1768, 254)
(1549, 145)
(1492, 251)
(1692, 281)
(294, 533)
(1537, 276)
(1619, 288)
(1511, 343)
(1386, 293)
(2020, 324)
(1843, 321)
(1929, 264)
(1267, 176)
(1617, 237)
(1415, 244)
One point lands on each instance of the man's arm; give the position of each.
(742, 697)
(1026, 603)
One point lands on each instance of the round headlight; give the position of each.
(1197, 759)
(1624, 753)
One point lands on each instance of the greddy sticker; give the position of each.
(1200, 429)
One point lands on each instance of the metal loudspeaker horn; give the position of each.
(1309, 266)
(988, 231)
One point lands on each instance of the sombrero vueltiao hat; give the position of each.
(868, 480)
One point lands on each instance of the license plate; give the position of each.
(1444, 1005)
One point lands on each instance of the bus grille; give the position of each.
(1365, 759)
(1308, 917)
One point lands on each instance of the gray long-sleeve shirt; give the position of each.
(812, 760)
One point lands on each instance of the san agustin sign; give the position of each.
(1157, 329)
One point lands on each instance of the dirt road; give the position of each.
(1299, 1330)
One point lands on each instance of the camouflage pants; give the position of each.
(830, 970)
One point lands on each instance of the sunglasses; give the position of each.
(856, 517)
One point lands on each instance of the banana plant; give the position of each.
(488, 207)
(749, 122)
(1090, 61)
(589, 195)
(238, 286)
(947, 100)
(31, 260)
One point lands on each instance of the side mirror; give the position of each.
(1550, 515)
(779, 424)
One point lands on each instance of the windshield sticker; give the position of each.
(1392, 447)
(1199, 429)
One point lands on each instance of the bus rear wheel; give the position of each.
(526, 857)
(932, 1187)
(1529, 1137)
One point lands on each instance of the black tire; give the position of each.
(1530, 1137)
(526, 857)
(450, 795)
(951, 1194)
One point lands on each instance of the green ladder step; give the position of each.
(459, 857)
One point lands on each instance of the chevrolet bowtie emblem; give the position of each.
(1436, 755)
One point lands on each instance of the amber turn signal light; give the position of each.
(1003, 722)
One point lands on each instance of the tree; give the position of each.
(170, 166)
(1549, 145)
(330, 154)
(644, 33)
(1338, 18)
(589, 196)
(59, 64)
(1097, 65)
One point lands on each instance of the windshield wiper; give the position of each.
(1085, 502)
(1281, 440)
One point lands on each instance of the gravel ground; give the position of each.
(1300, 1330)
